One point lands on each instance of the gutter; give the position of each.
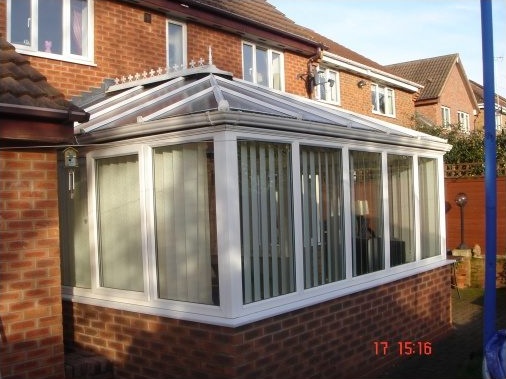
(370, 72)
(26, 111)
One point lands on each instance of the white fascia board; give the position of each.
(370, 72)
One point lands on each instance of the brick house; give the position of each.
(500, 107)
(298, 251)
(447, 97)
(35, 120)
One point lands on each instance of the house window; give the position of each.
(430, 243)
(119, 233)
(186, 252)
(401, 209)
(176, 45)
(262, 66)
(383, 100)
(464, 121)
(265, 183)
(498, 119)
(367, 201)
(328, 89)
(322, 215)
(52, 27)
(445, 117)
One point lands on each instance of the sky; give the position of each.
(393, 31)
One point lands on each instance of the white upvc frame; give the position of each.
(386, 90)
(269, 63)
(464, 121)
(446, 116)
(336, 86)
(89, 37)
(184, 43)
(231, 311)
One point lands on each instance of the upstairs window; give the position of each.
(328, 86)
(52, 27)
(383, 100)
(464, 121)
(262, 66)
(176, 45)
(445, 117)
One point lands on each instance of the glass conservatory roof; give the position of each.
(208, 89)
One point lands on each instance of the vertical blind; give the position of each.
(402, 206)
(322, 221)
(119, 223)
(183, 221)
(266, 220)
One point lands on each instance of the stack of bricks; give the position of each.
(30, 301)
(334, 339)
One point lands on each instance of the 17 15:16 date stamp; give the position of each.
(404, 348)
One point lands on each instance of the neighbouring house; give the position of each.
(217, 222)
(447, 97)
(500, 109)
(35, 120)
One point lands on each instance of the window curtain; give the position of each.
(429, 207)
(78, 23)
(183, 222)
(266, 220)
(322, 221)
(119, 223)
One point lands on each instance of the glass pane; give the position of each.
(175, 46)
(374, 98)
(21, 22)
(333, 84)
(322, 87)
(367, 220)
(276, 71)
(430, 234)
(50, 26)
(389, 102)
(247, 62)
(266, 220)
(119, 223)
(322, 221)
(79, 27)
(402, 209)
(186, 249)
(262, 74)
(74, 236)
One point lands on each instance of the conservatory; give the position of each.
(202, 197)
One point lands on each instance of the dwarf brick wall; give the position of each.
(31, 333)
(474, 213)
(329, 340)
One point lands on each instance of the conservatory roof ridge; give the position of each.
(164, 74)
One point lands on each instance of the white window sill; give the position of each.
(64, 58)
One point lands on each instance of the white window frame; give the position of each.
(326, 72)
(386, 90)
(87, 59)
(464, 121)
(232, 312)
(184, 44)
(269, 64)
(446, 116)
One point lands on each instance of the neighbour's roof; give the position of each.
(432, 73)
(478, 93)
(24, 90)
(173, 100)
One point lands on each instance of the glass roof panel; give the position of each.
(206, 102)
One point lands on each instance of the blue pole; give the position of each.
(489, 312)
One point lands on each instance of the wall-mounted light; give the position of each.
(361, 83)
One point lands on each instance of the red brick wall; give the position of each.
(329, 340)
(30, 292)
(359, 100)
(474, 213)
